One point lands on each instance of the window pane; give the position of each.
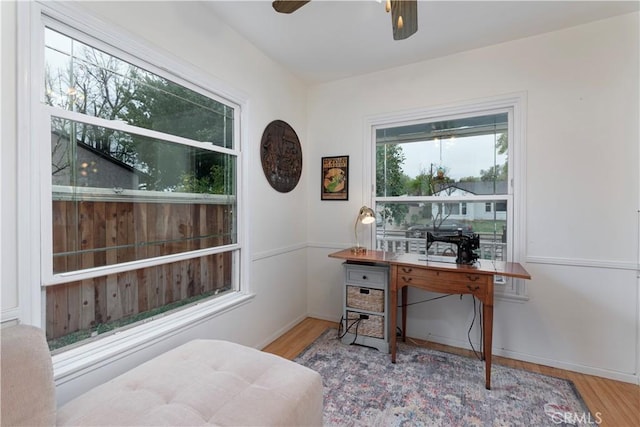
(110, 159)
(86, 80)
(93, 233)
(118, 197)
(447, 158)
(442, 174)
(79, 310)
(403, 227)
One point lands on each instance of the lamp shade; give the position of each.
(366, 215)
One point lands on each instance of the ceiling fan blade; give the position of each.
(408, 10)
(288, 6)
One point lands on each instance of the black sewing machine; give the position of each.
(466, 243)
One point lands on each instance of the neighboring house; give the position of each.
(460, 210)
(93, 168)
(472, 211)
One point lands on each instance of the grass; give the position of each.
(487, 226)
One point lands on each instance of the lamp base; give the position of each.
(358, 250)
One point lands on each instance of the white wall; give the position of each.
(8, 273)
(277, 224)
(582, 188)
(582, 87)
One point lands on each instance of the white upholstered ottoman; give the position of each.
(204, 382)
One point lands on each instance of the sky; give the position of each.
(461, 157)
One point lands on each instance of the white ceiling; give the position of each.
(328, 40)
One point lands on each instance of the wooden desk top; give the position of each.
(500, 268)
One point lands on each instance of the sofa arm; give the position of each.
(28, 391)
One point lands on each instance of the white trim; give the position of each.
(517, 228)
(31, 186)
(73, 17)
(447, 199)
(241, 129)
(638, 302)
(28, 190)
(122, 126)
(76, 361)
(329, 246)
(278, 251)
(11, 315)
(460, 110)
(579, 262)
(638, 270)
(368, 167)
(3, 313)
(280, 332)
(573, 367)
(91, 273)
(514, 105)
(525, 357)
(67, 192)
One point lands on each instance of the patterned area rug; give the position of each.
(431, 388)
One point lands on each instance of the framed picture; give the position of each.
(335, 178)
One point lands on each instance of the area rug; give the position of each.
(432, 388)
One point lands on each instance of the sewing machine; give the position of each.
(466, 243)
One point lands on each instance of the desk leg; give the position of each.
(405, 291)
(393, 312)
(487, 326)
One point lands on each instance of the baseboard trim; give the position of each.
(281, 331)
(523, 357)
(582, 369)
(324, 317)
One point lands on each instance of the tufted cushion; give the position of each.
(204, 382)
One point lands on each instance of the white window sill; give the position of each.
(76, 361)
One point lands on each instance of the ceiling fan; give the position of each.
(404, 14)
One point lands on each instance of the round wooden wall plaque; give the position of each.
(281, 156)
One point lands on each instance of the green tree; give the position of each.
(390, 180)
(498, 172)
(90, 83)
(164, 106)
(95, 83)
(421, 185)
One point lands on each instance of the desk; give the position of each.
(413, 270)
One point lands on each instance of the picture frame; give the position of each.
(334, 180)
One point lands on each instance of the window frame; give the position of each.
(34, 186)
(513, 104)
(49, 277)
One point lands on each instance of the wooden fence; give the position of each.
(94, 233)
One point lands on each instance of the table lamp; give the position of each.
(366, 215)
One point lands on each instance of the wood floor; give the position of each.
(616, 403)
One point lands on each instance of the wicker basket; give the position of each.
(365, 324)
(365, 299)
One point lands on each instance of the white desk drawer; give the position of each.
(369, 276)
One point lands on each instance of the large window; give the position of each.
(443, 174)
(143, 179)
